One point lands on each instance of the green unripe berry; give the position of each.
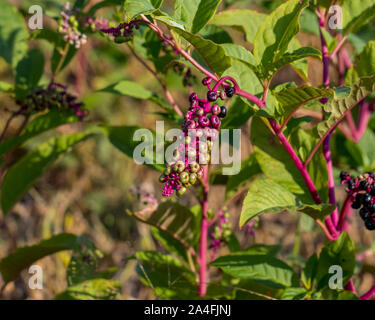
(162, 177)
(227, 234)
(181, 191)
(184, 177)
(194, 166)
(179, 166)
(193, 178)
(187, 140)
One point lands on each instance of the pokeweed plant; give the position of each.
(297, 132)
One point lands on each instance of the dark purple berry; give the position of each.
(356, 205)
(363, 185)
(366, 199)
(193, 97)
(371, 207)
(370, 224)
(372, 192)
(215, 121)
(364, 213)
(358, 198)
(191, 124)
(351, 184)
(206, 81)
(204, 121)
(211, 96)
(343, 175)
(223, 112)
(229, 91)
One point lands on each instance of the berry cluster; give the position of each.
(123, 32)
(362, 191)
(68, 27)
(54, 96)
(95, 24)
(221, 232)
(204, 120)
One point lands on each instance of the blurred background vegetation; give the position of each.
(87, 191)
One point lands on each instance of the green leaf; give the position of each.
(291, 99)
(365, 64)
(58, 55)
(356, 14)
(276, 32)
(338, 108)
(309, 22)
(213, 54)
(341, 253)
(289, 58)
(134, 8)
(275, 162)
(258, 267)
(137, 91)
(205, 11)
(247, 21)
(30, 69)
(216, 34)
(13, 34)
(258, 201)
(168, 277)
(239, 114)
(21, 176)
(195, 14)
(240, 53)
(249, 169)
(13, 264)
(309, 271)
(176, 220)
(245, 77)
(50, 120)
(49, 35)
(294, 294)
(6, 87)
(83, 262)
(170, 243)
(122, 138)
(95, 289)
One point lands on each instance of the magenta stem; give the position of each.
(369, 294)
(203, 237)
(346, 212)
(350, 286)
(327, 140)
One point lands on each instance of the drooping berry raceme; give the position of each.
(203, 121)
(69, 27)
(221, 233)
(362, 191)
(55, 96)
(123, 32)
